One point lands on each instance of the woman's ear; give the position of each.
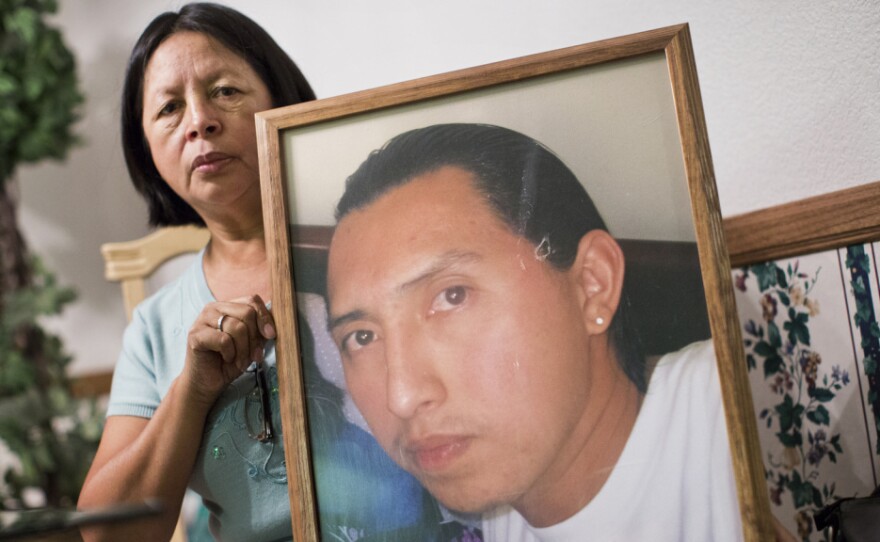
(598, 270)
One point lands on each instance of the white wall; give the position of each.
(791, 92)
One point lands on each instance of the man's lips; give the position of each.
(210, 162)
(438, 452)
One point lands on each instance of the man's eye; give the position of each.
(357, 340)
(449, 298)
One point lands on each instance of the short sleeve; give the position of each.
(135, 391)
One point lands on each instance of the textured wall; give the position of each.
(790, 91)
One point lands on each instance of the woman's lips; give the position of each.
(437, 453)
(211, 162)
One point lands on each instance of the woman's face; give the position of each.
(199, 104)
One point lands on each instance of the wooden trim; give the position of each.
(91, 385)
(832, 220)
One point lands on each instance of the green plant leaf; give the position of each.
(766, 275)
(790, 440)
(819, 415)
(25, 22)
(38, 86)
(773, 335)
(780, 278)
(750, 362)
(762, 348)
(803, 492)
(772, 365)
(783, 297)
(797, 328)
(858, 286)
(789, 414)
(822, 395)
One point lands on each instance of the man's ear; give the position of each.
(598, 271)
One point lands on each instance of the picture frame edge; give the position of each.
(300, 487)
(715, 264)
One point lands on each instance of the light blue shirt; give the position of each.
(242, 481)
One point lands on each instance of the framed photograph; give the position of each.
(624, 116)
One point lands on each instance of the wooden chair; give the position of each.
(132, 263)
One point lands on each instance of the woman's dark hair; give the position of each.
(236, 32)
(529, 188)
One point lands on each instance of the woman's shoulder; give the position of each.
(186, 292)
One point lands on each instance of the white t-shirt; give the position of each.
(674, 479)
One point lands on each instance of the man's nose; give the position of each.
(203, 121)
(414, 383)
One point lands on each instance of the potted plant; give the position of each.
(47, 438)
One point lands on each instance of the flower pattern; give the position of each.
(780, 346)
(865, 320)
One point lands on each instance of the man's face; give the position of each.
(463, 350)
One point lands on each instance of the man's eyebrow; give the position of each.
(341, 320)
(440, 264)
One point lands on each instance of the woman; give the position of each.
(196, 376)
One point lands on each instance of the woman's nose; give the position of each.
(203, 120)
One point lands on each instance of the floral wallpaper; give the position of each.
(859, 264)
(812, 342)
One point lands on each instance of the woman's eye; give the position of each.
(168, 109)
(449, 298)
(226, 91)
(358, 339)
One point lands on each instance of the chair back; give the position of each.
(131, 263)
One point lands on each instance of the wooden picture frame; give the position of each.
(606, 97)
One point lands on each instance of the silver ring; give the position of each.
(220, 322)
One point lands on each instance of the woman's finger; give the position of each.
(239, 334)
(265, 322)
(207, 343)
(240, 321)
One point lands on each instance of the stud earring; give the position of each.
(600, 321)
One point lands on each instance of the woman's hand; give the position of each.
(224, 340)
(141, 458)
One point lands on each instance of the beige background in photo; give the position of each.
(614, 125)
